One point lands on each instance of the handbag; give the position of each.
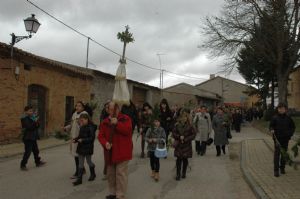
(209, 141)
(161, 149)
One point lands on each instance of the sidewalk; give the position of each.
(257, 166)
(10, 150)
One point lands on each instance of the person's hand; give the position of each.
(79, 140)
(113, 121)
(181, 137)
(108, 146)
(272, 131)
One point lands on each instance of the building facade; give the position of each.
(53, 88)
(233, 93)
(294, 90)
(49, 86)
(183, 93)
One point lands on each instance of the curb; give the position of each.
(5, 157)
(258, 191)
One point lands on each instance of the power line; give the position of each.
(107, 48)
(186, 76)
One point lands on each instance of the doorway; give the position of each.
(37, 99)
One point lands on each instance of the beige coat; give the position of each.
(202, 122)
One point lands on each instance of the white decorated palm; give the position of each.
(121, 92)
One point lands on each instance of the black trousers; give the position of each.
(181, 163)
(200, 147)
(279, 160)
(154, 162)
(237, 127)
(218, 148)
(30, 146)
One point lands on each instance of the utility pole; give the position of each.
(87, 53)
(160, 73)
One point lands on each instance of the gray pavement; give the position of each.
(209, 177)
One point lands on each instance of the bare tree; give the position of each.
(238, 24)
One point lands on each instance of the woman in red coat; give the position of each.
(115, 137)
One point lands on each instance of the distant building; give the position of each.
(183, 93)
(53, 88)
(232, 93)
(294, 90)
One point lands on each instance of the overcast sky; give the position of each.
(171, 27)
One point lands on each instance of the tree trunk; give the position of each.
(282, 80)
(272, 93)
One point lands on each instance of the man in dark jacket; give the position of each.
(282, 128)
(30, 127)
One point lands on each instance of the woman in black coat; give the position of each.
(85, 148)
(165, 117)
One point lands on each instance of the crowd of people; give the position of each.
(175, 127)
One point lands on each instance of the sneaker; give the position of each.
(41, 163)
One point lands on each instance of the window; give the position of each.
(69, 109)
(27, 67)
(92, 97)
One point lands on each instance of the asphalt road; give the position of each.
(209, 177)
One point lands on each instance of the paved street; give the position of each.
(209, 177)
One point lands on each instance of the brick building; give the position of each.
(50, 86)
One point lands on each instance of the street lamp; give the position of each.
(31, 25)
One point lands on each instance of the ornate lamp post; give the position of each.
(31, 25)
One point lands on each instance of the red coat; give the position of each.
(122, 141)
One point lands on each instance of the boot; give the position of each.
(218, 150)
(156, 176)
(223, 149)
(276, 173)
(79, 178)
(178, 169)
(184, 168)
(93, 174)
(197, 143)
(75, 175)
(152, 174)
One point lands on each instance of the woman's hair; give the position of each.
(85, 116)
(164, 101)
(146, 104)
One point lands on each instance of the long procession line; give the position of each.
(105, 47)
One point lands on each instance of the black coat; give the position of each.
(29, 128)
(283, 126)
(164, 122)
(87, 134)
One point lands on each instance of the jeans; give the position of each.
(88, 160)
